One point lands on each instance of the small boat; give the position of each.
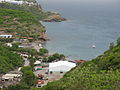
(93, 46)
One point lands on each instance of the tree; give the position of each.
(43, 51)
(56, 56)
(118, 41)
(62, 56)
(18, 87)
(45, 59)
(28, 76)
(111, 46)
(32, 62)
(51, 58)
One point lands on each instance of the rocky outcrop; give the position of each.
(54, 18)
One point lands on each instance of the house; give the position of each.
(61, 66)
(6, 36)
(10, 76)
(37, 63)
(38, 68)
(79, 61)
(13, 1)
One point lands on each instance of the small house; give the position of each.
(10, 76)
(6, 36)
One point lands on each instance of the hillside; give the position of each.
(20, 24)
(102, 73)
(31, 7)
(9, 60)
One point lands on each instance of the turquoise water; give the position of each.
(88, 23)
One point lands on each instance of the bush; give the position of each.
(43, 51)
(28, 76)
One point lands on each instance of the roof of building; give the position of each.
(79, 61)
(10, 76)
(62, 63)
(5, 35)
(37, 62)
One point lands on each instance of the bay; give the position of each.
(89, 22)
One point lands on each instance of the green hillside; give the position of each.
(20, 24)
(102, 73)
(35, 9)
(9, 60)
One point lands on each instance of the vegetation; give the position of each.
(9, 60)
(54, 57)
(5, 40)
(101, 73)
(20, 23)
(28, 76)
(43, 51)
(35, 9)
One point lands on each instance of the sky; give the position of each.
(85, 1)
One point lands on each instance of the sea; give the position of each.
(89, 22)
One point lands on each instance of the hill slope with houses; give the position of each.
(20, 24)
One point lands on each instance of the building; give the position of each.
(79, 61)
(37, 63)
(6, 36)
(61, 66)
(38, 68)
(10, 76)
(13, 1)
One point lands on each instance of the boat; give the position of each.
(93, 46)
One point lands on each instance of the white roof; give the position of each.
(61, 63)
(37, 62)
(5, 35)
(13, 1)
(10, 76)
(19, 68)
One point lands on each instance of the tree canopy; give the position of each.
(9, 60)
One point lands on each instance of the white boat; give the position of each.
(93, 46)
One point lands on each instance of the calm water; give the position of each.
(88, 23)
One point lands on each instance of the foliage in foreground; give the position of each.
(87, 78)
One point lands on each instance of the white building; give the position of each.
(6, 36)
(59, 66)
(10, 76)
(37, 63)
(17, 2)
(12, 1)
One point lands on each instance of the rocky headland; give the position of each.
(54, 17)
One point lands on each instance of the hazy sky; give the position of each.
(88, 1)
